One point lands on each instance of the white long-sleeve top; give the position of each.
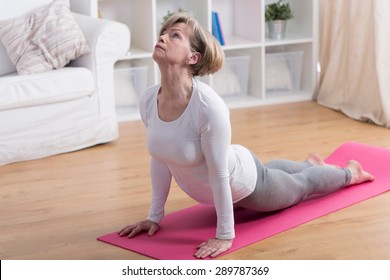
(196, 150)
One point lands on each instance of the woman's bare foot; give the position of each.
(316, 159)
(358, 174)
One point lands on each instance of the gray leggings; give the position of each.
(283, 183)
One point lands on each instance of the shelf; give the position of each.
(136, 53)
(233, 42)
(250, 101)
(130, 114)
(289, 40)
(245, 34)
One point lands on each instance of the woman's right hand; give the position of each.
(134, 229)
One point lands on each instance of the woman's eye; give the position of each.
(175, 35)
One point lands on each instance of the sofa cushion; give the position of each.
(49, 87)
(46, 39)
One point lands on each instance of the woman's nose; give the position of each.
(162, 38)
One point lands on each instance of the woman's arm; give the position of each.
(215, 143)
(161, 182)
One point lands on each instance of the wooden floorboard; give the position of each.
(54, 208)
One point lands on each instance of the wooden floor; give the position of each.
(54, 208)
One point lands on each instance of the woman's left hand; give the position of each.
(213, 247)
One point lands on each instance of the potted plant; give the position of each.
(169, 13)
(276, 15)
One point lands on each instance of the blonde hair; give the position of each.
(202, 41)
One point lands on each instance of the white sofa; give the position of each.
(65, 109)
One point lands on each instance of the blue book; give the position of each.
(214, 26)
(219, 27)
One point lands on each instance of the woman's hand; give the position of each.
(213, 247)
(134, 229)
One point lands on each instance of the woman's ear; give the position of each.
(194, 58)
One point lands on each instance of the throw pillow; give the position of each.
(225, 82)
(46, 39)
(278, 74)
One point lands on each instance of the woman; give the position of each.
(189, 138)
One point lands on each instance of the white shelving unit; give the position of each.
(245, 33)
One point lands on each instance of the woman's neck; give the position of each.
(174, 86)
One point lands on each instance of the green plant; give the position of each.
(278, 11)
(168, 14)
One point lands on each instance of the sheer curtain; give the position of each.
(355, 58)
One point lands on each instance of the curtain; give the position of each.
(354, 58)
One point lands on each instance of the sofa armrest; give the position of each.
(108, 41)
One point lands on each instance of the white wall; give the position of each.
(14, 8)
(87, 7)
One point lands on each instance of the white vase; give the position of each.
(277, 29)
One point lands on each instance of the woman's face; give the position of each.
(173, 46)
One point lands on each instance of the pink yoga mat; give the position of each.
(181, 232)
